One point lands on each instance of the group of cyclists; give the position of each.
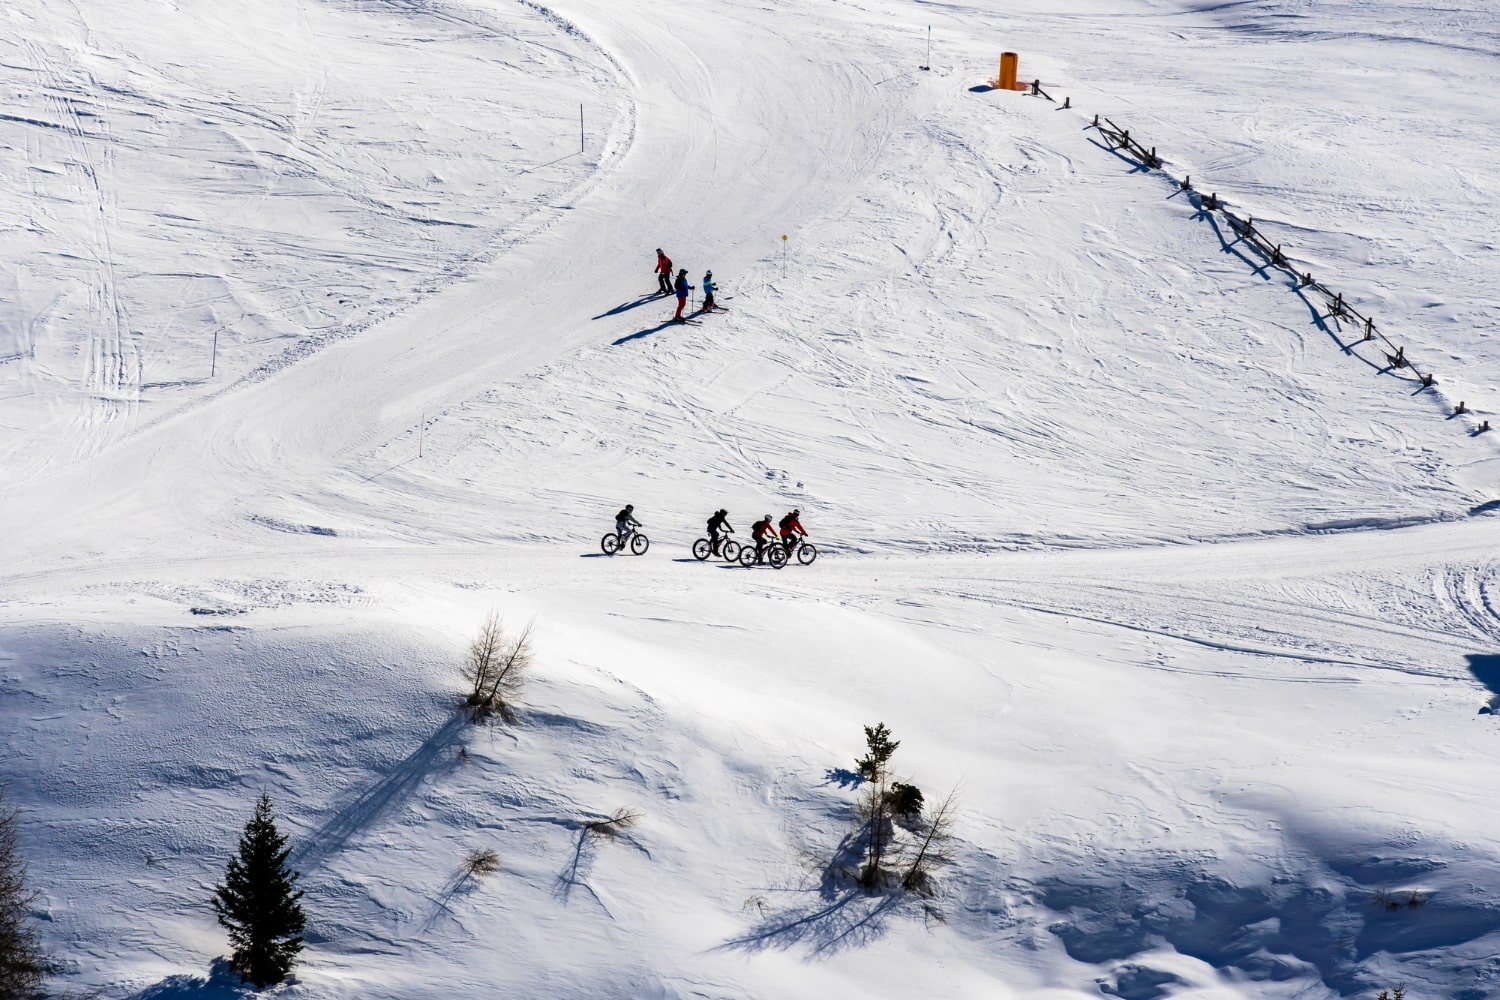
(761, 532)
(764, 533)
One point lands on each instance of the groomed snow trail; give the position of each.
(1195, 609)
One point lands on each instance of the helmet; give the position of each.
(658, 249)
(630, 506)
(796, 513)
(708, 274)
(768, 517)
(683, 271)
(723, 511)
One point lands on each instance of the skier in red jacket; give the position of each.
(663, 273)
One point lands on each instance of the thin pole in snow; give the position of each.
(580, 128)
(928, 63)
(421, 434)
(213, 363)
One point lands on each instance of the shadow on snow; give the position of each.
(390, 791)
(627, 306)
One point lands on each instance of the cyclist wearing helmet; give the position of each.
(763, 533)
(719, 528)
(625, 522)
(791, 528)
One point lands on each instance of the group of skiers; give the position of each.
(680, 287)
(789, 529)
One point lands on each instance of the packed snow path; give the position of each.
(1197, 611)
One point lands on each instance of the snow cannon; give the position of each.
(1009, 64)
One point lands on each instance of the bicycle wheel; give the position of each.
(776, 556)
(639, 544)
(747, 556)
(731, 551)
(702, 549)
(806, 553)
(610, 544)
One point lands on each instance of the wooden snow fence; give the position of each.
(1339, 309)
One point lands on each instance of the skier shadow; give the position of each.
(1486, 670)
(221, 984)
(387, 793)
(627, 306)
(645, 333)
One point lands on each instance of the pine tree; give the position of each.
(878, 746)
(878, 750)
(257, 903)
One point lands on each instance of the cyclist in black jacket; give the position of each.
(719, 529)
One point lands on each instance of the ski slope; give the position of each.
(320, 338)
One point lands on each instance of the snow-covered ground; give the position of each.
(1123, 536)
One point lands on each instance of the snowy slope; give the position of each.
(1123, 536)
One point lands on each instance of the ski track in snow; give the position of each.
(1118, 533)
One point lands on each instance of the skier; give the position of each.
(708, 292)
(663, 273)
(682, 293)
(625, 522)
(790, 529)
(763, 533)
(719, 529)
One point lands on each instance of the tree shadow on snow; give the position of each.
(461, 881)
(830, 921)
(834, 916)
(221, 984)
(387, 793)
(843, 777)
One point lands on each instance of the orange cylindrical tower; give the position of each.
(1009, 61)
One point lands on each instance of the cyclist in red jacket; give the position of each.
(790, 529)
(763, 534)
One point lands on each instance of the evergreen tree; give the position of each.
(878, 750)
(879, 746)
(257, 903)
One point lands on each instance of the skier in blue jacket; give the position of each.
(708, 292)
(682, 295)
